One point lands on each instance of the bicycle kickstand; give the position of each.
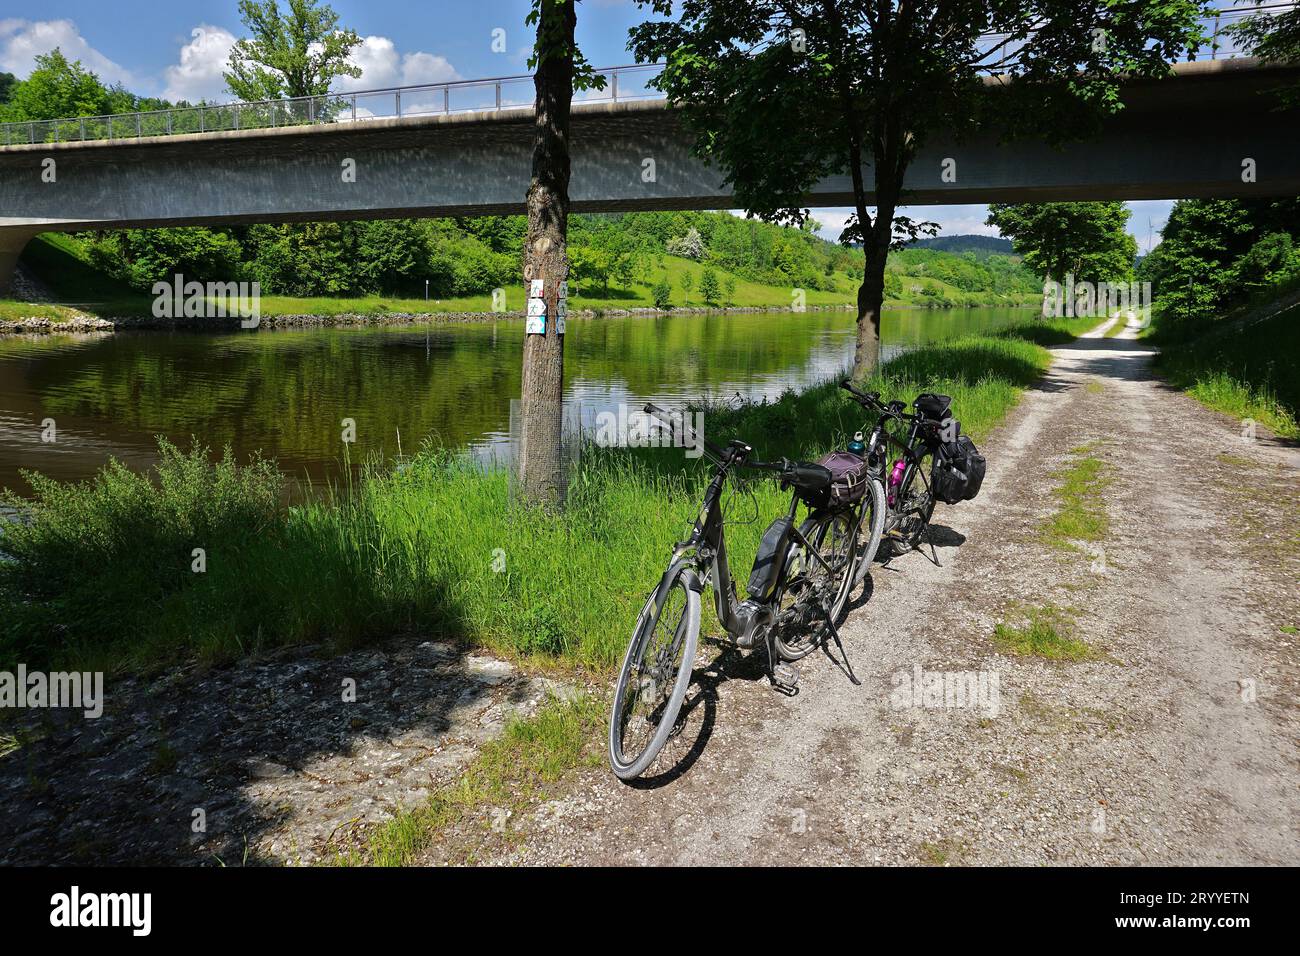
(934, 555)
(784, 677)
(835, 633)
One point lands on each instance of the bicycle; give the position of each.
(800, 582)
(908, 506)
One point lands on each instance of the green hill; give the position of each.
(634, 260)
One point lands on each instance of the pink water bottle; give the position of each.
(895, 478)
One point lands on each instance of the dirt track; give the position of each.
(1176, 745)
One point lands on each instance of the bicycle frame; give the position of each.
(911, 469)
(708, 541)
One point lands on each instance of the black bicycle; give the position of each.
(796, 591)
(909, 499)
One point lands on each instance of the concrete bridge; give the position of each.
(1210, 130)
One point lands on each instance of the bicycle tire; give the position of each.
(687, 630)
(867, 554)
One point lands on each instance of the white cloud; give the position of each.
(21, 41)
(382, 66)
(198, 75)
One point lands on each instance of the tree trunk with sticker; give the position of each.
(540, 464)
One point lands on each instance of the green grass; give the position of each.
(1080, 511)
(1248, 373)
(510, 774)
(1046, 631)
(1116, 330)
(102, 577)
(11, 310)
(58, 260)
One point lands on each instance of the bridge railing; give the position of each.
(623, 83)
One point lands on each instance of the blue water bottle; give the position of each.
(856, 446)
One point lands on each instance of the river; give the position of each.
(286, 393)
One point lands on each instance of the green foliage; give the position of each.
(710, 291)
(98, 560)
(299, 52)
(662, 294)
(1274, 37)
(1058, 239)
(781, 94)
(1218, 254)
(1246, 372)
(141, 257)
(687, 282)
(57, 88)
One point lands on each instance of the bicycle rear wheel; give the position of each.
(813, 590)
(655, 674)
(917, 504)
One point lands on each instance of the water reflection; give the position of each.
(286, 393)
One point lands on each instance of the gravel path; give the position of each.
(1175, 744)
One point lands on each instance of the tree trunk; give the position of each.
(541, 466)
(871, 294)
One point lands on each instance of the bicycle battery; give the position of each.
(771, 552)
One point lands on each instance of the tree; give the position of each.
(662, 294)
(560, 68)
(687, 281)
(7, 81)
(1084, 239)
(729, 289)
(784, 93)
(689, 246)
(709, 289)
(1214, 252)
(1274, 38)
(298, 53)
(56, 89)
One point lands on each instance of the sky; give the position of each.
(177, 49)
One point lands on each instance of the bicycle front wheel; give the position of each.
(655, 674)
(870, 529)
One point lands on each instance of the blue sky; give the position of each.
(177, 50)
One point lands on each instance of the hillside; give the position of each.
(979, 245)
(637, 260)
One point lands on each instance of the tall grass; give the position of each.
(102, 573)
(1247, 372)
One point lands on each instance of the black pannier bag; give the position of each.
(848, 476)
(932, 406)
(958, 470)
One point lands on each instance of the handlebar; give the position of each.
(688, 435)
(872, 400)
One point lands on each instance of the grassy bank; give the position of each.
(125, 572)
(1250, 371)
(59, 261)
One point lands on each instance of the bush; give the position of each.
(662, 293)
(96, 560)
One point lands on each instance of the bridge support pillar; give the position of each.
(12, 242)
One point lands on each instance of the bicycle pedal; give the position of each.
(786, 675)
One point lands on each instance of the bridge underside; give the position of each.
(1190, 136)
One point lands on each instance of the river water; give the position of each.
(286, 393)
